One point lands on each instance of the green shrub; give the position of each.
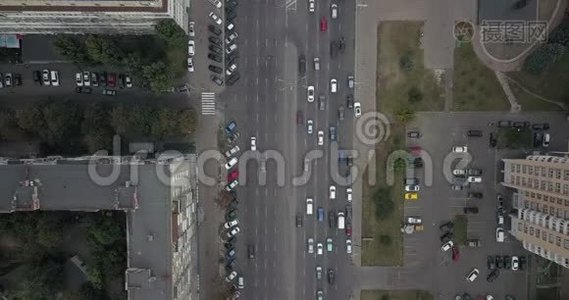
(543, 57)
(385, 240)
(383, 204)
(407, 62)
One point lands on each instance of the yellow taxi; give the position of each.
(411, 196)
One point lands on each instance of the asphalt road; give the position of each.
(264, 103)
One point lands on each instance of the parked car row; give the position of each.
(506, 262)
(103, 79)
(10, 80)
(46, 77)
(231, 230)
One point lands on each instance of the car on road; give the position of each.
(36, 75)
(310, 93)
(332, 191)
(357, 109)
(318, 272)
(233, 232)
(112, 80)
(350, 101)
(230, 48)
(350, 81)
(515, 263)
(507, 262)
(190, 64)
(253, 143)
(231, 276)
(492, 140)
(349, 194)
(309, 206)
(309, 126)
(504, 124)
(546, 140)
(447, 246)
(215, 49)
(456, 187)
(214, 57)
(83, 90)
(412, 188)
(349, 246)
(192, 28)
(320, 214)
(493, 275)
(470, 210)
(316, 64)
(231, 163)
(500, 235)
(333, 86)
(233, 175)
(54, 78)
(474, 133)
(231, 69)
(233, 78)
(473, 243)
(334, 11)
(323, 24)
(86, 78)
(215, 69)
(310, 245)
(331, 276)
(521, 124)
(216, 79)
(474, 179)
(319, 295)
(320, 137)
(231, 223)
(329, 245)
(447, 236)
(460, 149)
(229, 39)
(472, 275)
(500, 262)
(311, 5)
(319, 249)
(411, 196)
(107, 92)
(332, 133)
(215, 18)
(477, 195)
(459, 172)
(474, 172)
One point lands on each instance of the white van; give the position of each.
(341, 220)
(309, 206)
(500, 235)
(232, 162)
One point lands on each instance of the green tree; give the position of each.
(399, 164)
(9, 129)
(97, 134)
(59, 118)
(168, 30)
(89, 292)
(103, 50)
(187, 121)
(405, 115)
(414, 95)
(164, 123)
(407, 61)
(72, 48)
(383, 204)
(30, 118)
(385, 240)
(105, 231)
(158, 76)
(543, 57)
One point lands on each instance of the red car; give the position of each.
(233, 175)
(455, 253)
(323, 24)
(112, 80)
(349, 229)
(415, 150)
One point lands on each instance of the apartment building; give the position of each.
(89, 16)
(159, 197)
(542, 202)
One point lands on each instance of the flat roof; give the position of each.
(84, 5)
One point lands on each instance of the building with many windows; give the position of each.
(542, 203)
(159, 197)
(89, 16)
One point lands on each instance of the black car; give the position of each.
(231, 215)
(213, 30)
(448, 226)
(122, 81)
(83, 90)
(414, 134)
(537, 139)
(474, 133)
(37, 77)
(474, 172)
(215, 69)
(230, 14)
(499, 262)
(475, 195)
(214, 57)
(540, 126)
(298, 221)
(491, 263)
(331, 219)
(233, 78)
(215, 40)
(251, 252)
(520, 124)
(507, 262)
(493, 275)
(504, 124)
(301, 65)
(17, 79)
(523, 262)
(446, 237)
(231, 3)
(418, 162)
(216, 80)
(470, 210)
(350, 101)
(103, 79)
(215, 49)
(492, 140)
(232, 56)
(331, 276)
(411, 181)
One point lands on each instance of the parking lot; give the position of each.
(438, 203)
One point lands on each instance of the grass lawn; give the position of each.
(395, 295)
(513, 139)
(552, 84)
(530, 102)
(475, 86)
(460, 229)
(374, 253)
(399, 41)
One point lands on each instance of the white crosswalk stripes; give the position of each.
(208, 103)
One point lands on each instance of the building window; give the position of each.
(532, 205)
(558, 241)
(544, 236)
(559, 201)
(530, 170)
(559, 213)
(543, 172)
(566, 175)
(537, 232)
(542, 185)
(551, 238)
(566, 244)
(558, 187)
(558, 173)
(550, 173)
(513, 168)
(517, 168)
(565, 189)
(519, 226)
(535, 185)
(531, 230)
(523, 181)
(545, 209)
(524, 169)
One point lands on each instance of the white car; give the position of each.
(319, 249)
(515, 263)
(316, 63)
(446, 246)
(472, 275)
(311, 5)
(215, 3)
(233, 231)
(231, 37)
(192, 29)
(500, 235)
(349, 194)
(230, 69)
(349, 246)
(231, 163)
(86, 78)
(215, 18)
(332, 192)
(79, 79)
(190, 64)
(334, 10)
(231, 276)
(230, 224)
(333, 86)
(232, 151)
(474, 179)
(460, 149)
(320, 137)
(458, 172)
(231, 185)
(128, 81)
(412, 188)
(309, 126)
(191, 48)
(54, 78)
(329, 245)
(45, 77)
(310, 93)
(414, 220)
(357, 109)
(310, 245)
(253, 143)
(309, 206)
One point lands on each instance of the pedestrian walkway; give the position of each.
(208, 103)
